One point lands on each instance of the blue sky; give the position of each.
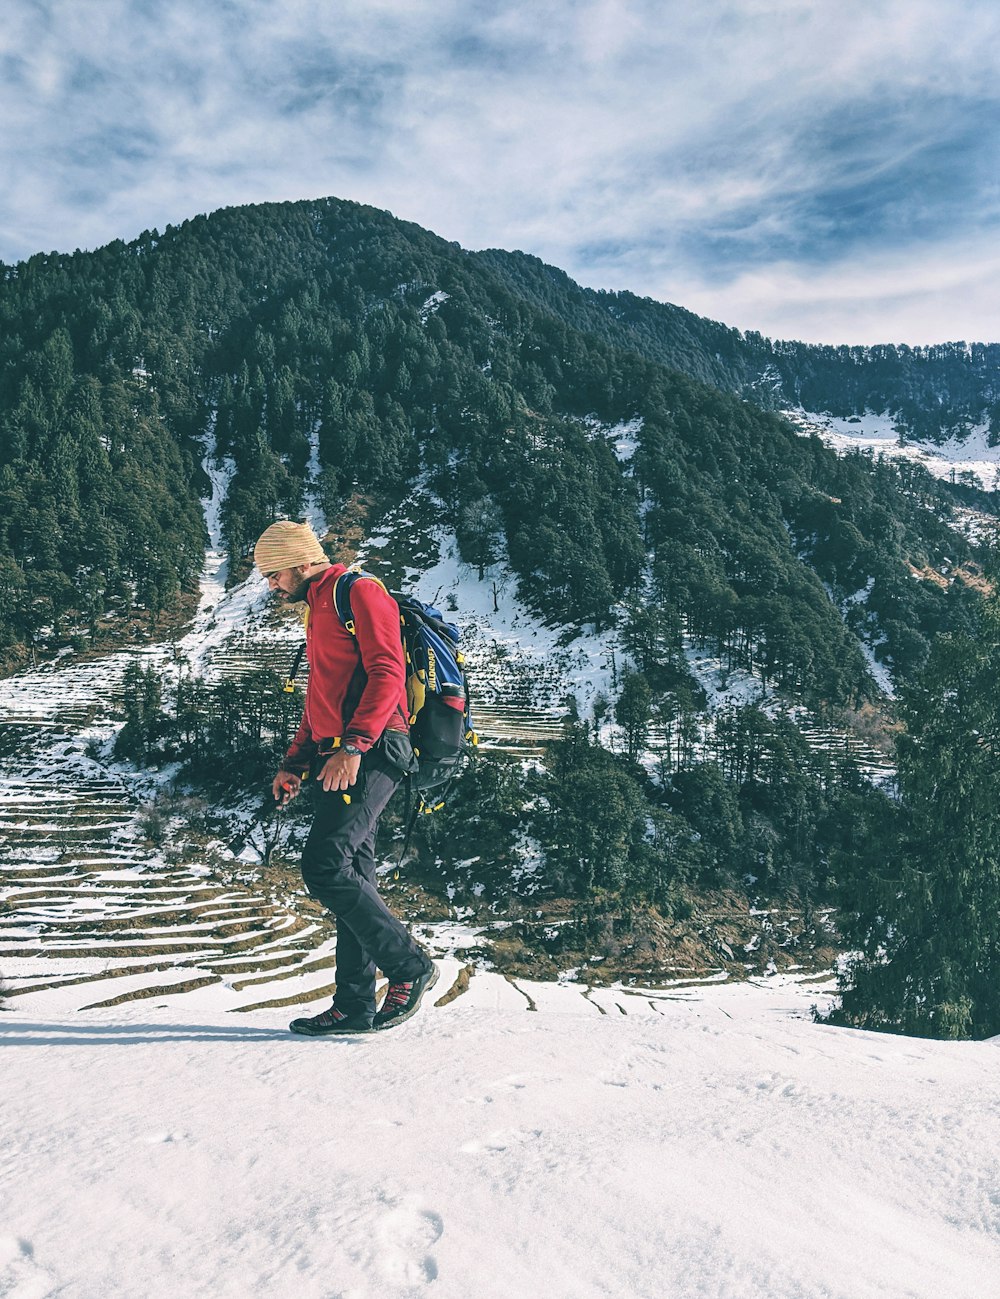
(817, 169)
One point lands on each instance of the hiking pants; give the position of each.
(338, 868)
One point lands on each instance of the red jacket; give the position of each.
(357, 684)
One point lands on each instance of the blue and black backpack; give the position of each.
(437, 691)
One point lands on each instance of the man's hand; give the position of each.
(286, 786)
(339, 771)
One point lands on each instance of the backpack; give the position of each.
(437, 692)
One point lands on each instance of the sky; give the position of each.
(827, 170)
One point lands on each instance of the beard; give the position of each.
(297, 594)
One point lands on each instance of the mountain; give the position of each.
(931, 392)
(326, 323)
(592, 455)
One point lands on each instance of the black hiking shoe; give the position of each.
(331, 1022)
(403, 998)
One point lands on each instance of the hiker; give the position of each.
(354, 740)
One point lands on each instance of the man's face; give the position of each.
(287, 584)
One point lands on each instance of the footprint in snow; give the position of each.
(778, 1086)
(516, 1082)
(510, 1083)
(20, 1275)
(406, 1236)
(499, 1141)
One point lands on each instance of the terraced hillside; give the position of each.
(101, 900)
(92, 916)
(89, 902)
(86, 900)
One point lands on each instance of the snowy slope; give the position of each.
(970, 460)
(80, 876)
(520, 1139)
(707, 1143)
(972, 456)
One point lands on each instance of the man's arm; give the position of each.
(340, 770)
(294, 765)
(301, 751)
(286, 786)
(376, 625)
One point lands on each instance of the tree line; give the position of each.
(329, 333)
(933, 392)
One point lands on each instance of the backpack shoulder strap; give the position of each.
(342, 599)
(342, 595)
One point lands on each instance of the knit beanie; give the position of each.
(286, 545)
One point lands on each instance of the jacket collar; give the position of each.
(324, 582)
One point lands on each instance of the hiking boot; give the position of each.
(403, 997)
(331, 1022)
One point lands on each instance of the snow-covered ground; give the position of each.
(521, 669)
(694, 1143)
(972, 456)
(520, 1139)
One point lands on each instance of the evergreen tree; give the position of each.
(295, 321)
(634, 712)
(591, 820)
(927, 920)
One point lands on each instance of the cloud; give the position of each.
(925, 294)
(736, 153)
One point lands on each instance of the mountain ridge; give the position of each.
(914, 383)
(324, 356)
(301, 333)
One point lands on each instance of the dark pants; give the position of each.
(338, 867)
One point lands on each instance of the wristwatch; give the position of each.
(352, 749)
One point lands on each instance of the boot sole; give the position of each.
(329, 1032)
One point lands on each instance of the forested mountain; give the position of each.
(933, 392)
(291, 337)
(282, 323)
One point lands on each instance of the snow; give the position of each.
(623, 438)
(220, 471)
(701, 1139)
(971, 455)
(433, 303)
(735, 687)
(511, 635)
(879, 671)
(969, 459)
(312, 510)
(220, 613)
(686, 1142)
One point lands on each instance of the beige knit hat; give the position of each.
(286, 545)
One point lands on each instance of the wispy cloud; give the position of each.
(876, 297)
(750, 158)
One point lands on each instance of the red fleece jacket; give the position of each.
(357, 684)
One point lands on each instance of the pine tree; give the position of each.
(634, 712)
(927, 920)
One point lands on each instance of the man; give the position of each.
(354, 735)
